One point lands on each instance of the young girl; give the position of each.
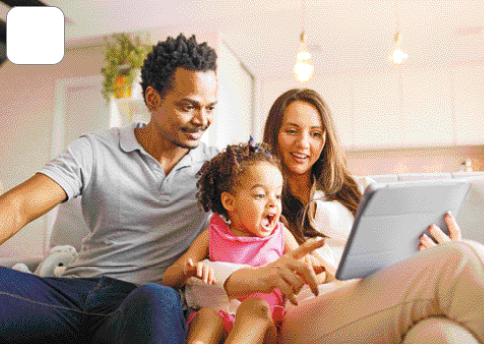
(242, 186)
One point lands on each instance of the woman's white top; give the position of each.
(335, 221)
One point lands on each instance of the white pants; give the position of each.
(446, 282)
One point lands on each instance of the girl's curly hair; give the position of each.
(223, 173)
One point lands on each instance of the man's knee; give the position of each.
(158, 296)
(462, 251)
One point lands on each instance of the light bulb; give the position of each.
(398, 56)
(303, 68)
(303, 55)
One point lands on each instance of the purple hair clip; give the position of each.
(254, 148)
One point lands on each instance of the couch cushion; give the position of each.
(69, 227)
(467, 174)
(422, 176)
(471, 214)
(384, 178)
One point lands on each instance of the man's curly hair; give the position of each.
(167, 56)
(223, 173)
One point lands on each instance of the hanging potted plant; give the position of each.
(123, 58)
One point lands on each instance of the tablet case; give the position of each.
(390, 219)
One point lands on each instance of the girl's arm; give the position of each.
(190, 264)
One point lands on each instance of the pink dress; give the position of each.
(254, 251)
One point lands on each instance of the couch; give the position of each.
(69, 228)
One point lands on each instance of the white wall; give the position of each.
(234, 118)
(27, 98)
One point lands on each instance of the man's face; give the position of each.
(187, 108)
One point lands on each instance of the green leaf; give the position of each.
(123, 56)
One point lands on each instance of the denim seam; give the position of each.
(58, 307)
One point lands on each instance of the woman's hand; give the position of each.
(289, 274)
(439, 235)
(199, 270)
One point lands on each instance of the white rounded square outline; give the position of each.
(56, 17)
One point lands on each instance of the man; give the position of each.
(137, 186)
(138, 190)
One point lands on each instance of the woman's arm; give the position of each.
(190, 264)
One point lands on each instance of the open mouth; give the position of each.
(269, 222)
(299, 156)
(193, 134)
(193, 130)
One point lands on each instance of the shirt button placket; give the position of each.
(161, 189)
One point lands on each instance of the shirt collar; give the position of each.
(129, 143)
(193, 158)
(127, 139)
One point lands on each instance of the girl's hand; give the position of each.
(316, 266)
(200, 271)
(439, 236)
(289, 273)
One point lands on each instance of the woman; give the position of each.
(441, 288)
(301, 131)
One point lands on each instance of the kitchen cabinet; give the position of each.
(337, 92)
(469, 104)
(377, 120)
(427, 108)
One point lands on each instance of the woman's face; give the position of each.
(301, 138)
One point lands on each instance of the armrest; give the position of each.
(31, 262)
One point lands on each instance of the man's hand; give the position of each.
(200, 271)
(439, 236)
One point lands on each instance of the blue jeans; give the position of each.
(87, 310)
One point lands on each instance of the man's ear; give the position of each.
(152, 97)
(228, 201)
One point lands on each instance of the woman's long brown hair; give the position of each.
(329, 174)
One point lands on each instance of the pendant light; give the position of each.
(303, 69)
(398, 56)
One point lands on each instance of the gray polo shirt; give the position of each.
(140, 220)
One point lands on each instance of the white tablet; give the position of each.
(390, 219)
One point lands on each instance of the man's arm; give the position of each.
(26, 202)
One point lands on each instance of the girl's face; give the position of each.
(256, 207)
(301, 138)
